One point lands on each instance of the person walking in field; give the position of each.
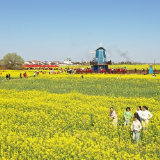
(127, 116)
(6, 76)
(136, 127)
(113, 115)
(25, 75)
(146, 115)
(20, 75)
(139, 111)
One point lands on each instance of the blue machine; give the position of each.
(100, 60)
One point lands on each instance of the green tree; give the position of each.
(1, 63)
(53, 63)
(12, 61)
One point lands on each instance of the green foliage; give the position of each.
(89, 85)
(12, 61)
(1, 63)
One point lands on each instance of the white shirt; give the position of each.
(136, 125)
(146, 115)
(113, 114)
(139, 113)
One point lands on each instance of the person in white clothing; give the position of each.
(136, 127)
(139, 111)
(146, 115)
(113, 115)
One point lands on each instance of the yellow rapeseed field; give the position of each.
(138, 67)
(114, 66)
(67, 117)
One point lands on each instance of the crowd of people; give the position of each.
(140, 120)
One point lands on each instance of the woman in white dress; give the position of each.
(146, 115)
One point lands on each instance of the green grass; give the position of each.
(88, 85)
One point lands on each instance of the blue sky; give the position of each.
(59, 29)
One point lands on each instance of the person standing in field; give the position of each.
(6, 76)
(20, 75)
(9, 76)
(135, 70)
(112, 70)
(34, 74)
(127, 116)
(136, 127)
(136, 114)
(139, 111)
(146, 115)
(113, 115)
